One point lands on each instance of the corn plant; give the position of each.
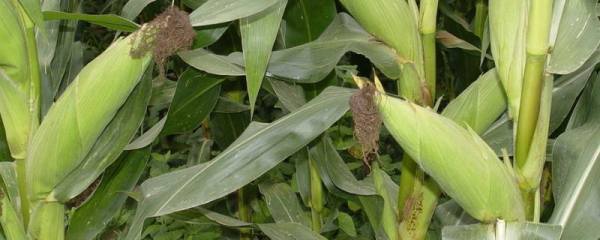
(299, 119)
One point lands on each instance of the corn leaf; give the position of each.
(134, 7)
(10, 220)
(283, 204)
(110, 21)
(15, 115)
(575, 23)
(311, 62)
(250, 156)
(576, 169)
(10, 188)
(34, 12)
(290, 95)
(195, 97)
(289, 231)
(507, 24)
(220, 11)
(258, 33)
(92, 217)
(336, 169)
(304, 21)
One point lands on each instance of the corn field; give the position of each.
(300, 119)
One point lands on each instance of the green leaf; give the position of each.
(34, 11)
(576, 169)
(208, 35)
(576, 36)
(246, 159)
(133, 8)
(290, 95)
(196, 96)
(283, 204)
(109, 21)
(305, 20)
(311, 62)
(216, 64)
(148, 137)
(258, 33)
(334, 166)
(220, 11)
(9, 183)
(110, 144)
(289, 231)
(346, 223)
(92, 217)
(10, 220)
(4, 150)
(514, 231)
(221, 219)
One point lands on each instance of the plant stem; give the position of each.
(51, 220)
(316, 196)
(428, 27)
(407, 182)
(480, 17)
(243, 214)
(540, 14)
(389, 220)
(419, 208)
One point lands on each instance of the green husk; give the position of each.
(508, 22)
(15, 79)
(457, 158)
(79, 116)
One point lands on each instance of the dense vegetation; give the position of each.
(299, 119)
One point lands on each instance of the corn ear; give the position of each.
(395, 23)
(508, 21)
(457, 158)
(75, 121)
(14, 80)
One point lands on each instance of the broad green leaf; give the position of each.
(480, 104)
(514, 231)
(258, 33)
(576, 169)
(110, 144)
(450, 41)
(216, 64)
(372, 208)
(10, 220)
(92, 217)
(220, 11)
(565, 92)
(575, 34)
(221, 219)
(311, 62)
(227, 127)
(133, 8)
(148, 137)
(34, 12)
(283, 204)
(290, 95)
(10, 186)
(302, 175)
(289, 231)
(245, 160)
(507, 24)
(110, 21)
(330, 161)
(196, 96)
(305, 20)
(209, 35)
(346, 223)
